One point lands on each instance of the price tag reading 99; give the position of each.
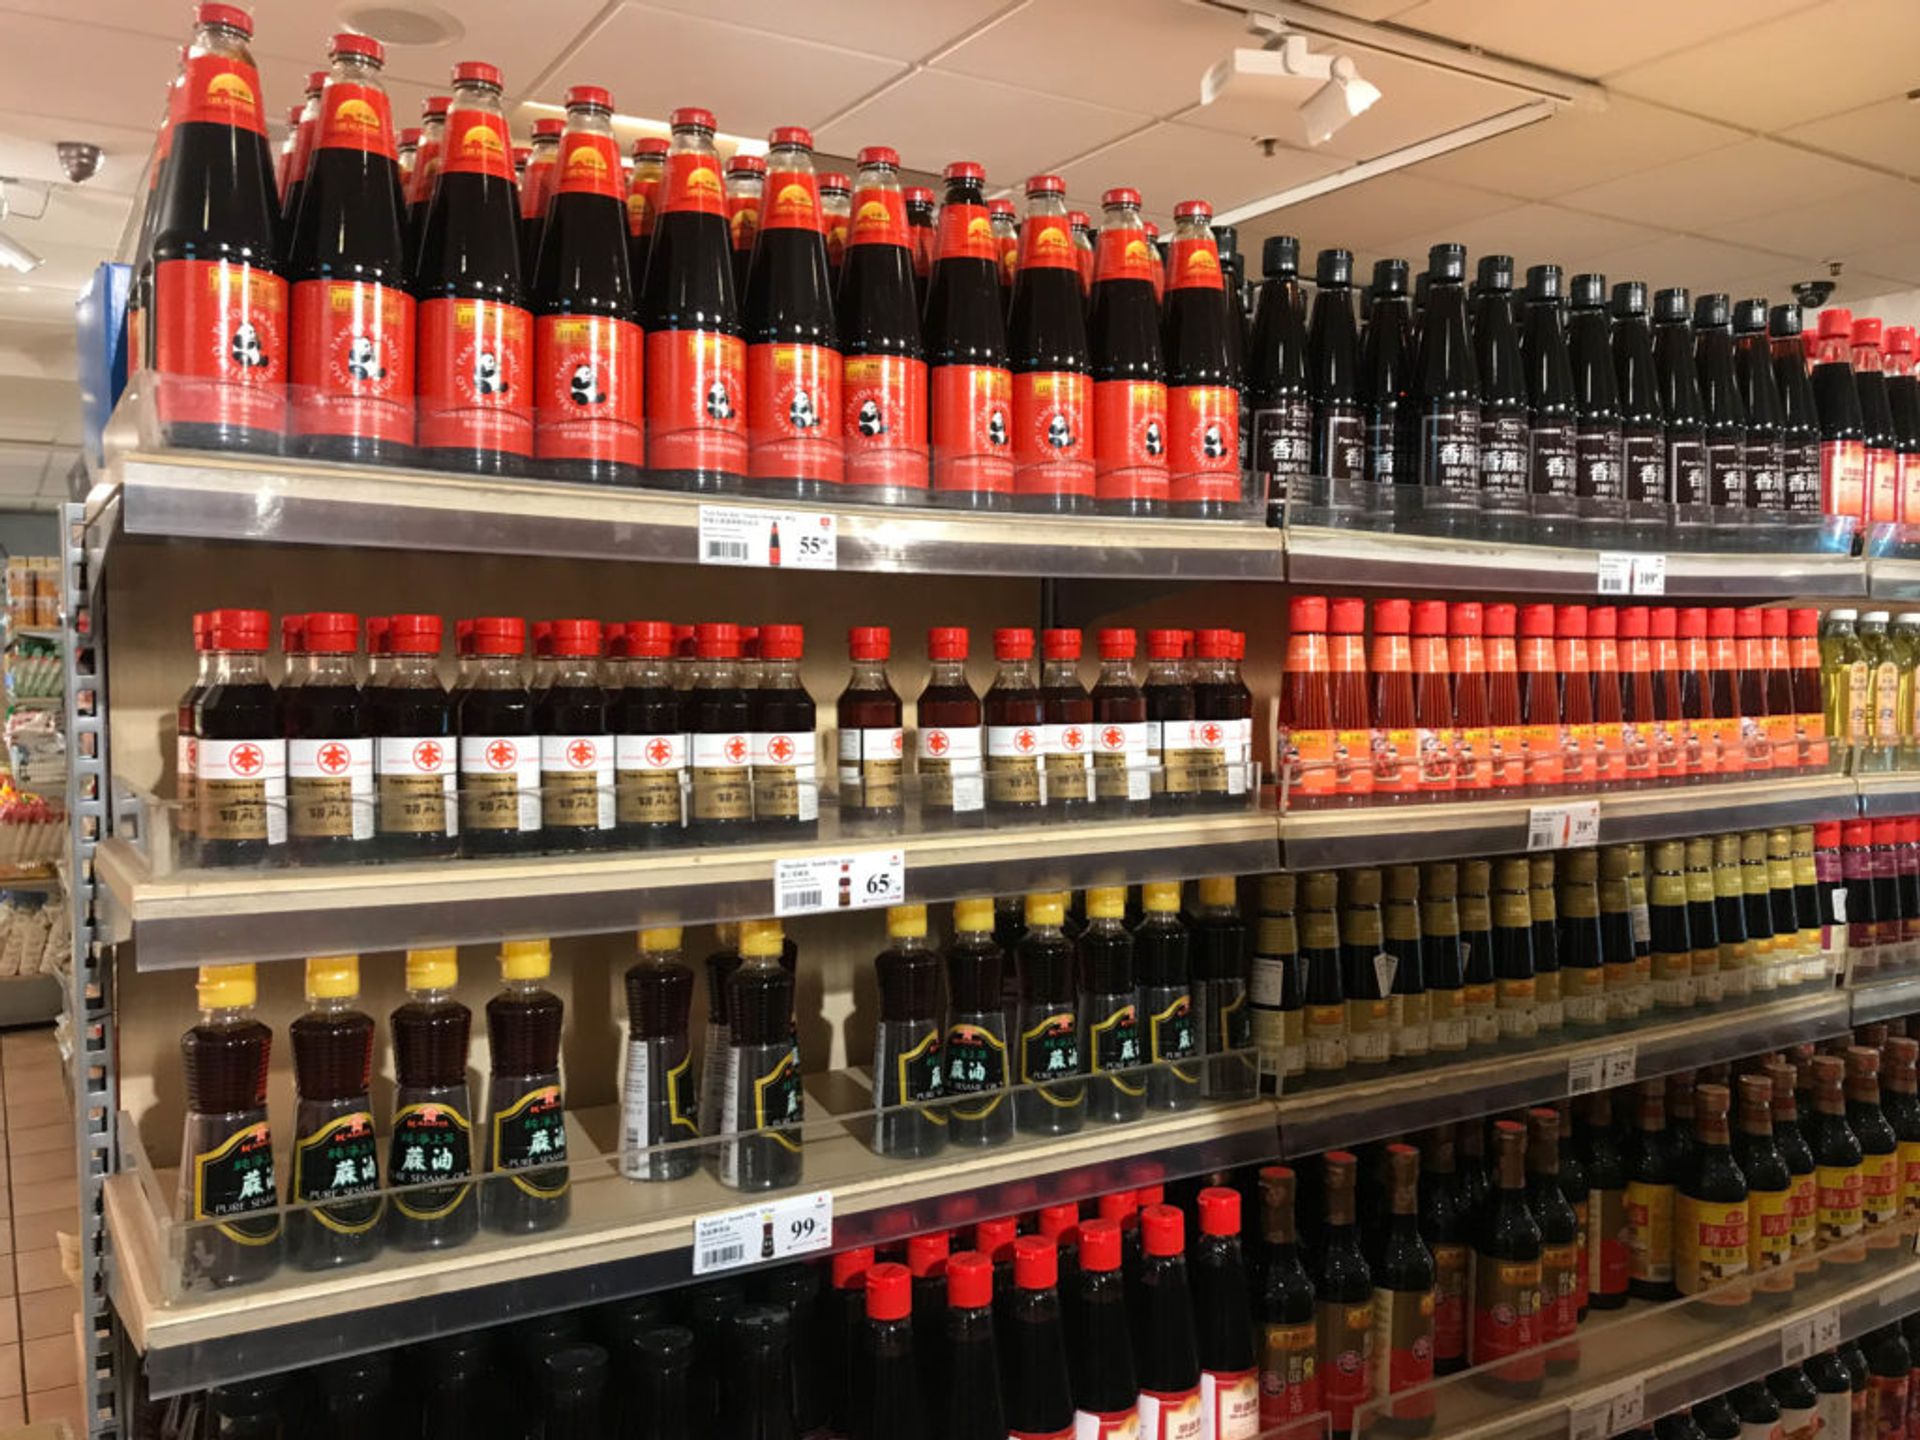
(755, 1234)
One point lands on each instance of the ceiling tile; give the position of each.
(878, 27)
(1593, 39)
(115, 77)
(1532, 235)
(1699, 193)
(27, 153)
(1887, 134)
(1901, 261)
(1878, 214)
(1171, 163)
(1363, 218)
(1685, 260)
(1757, 77)
(933, 117)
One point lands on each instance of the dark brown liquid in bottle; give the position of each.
(333, 1069)
(426, 712)
(870, 806)
(1014, 707)
(573, 709)
(523, 1027)
(485, 711)
(226, 1073)
(787, 710)
(721, 709)
(322, 712)
(1216, 709)
(433, 1125)
(1069, 792)
(646, 710)
(1172, 706)
(1115, 705)
(947, 707)
(235, 712)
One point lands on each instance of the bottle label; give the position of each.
(1770, 1235)
(1883, 486)
(1800, 475)
(1339, 442)
(1450, 451)
(1123, 252)
(353, 360)
(1215, 758)
(1597, 464)
(1052, 445)
(883, 420)
(219, 90)
(1170, 1034)
(1326, 1031)
(1289, 1373)
(1514, 1007)
(330, 789)
(693, 184)
(1909, 1153)
(1048, 1050)
(1403, 1346)
(1650, 1232)
(430, 1142)
(220, 344)
(530, 1133)
(240, 790)
(676, 1121)
(721, 788)
(696, 388)
(948, 763)
(642, 202)
(1122, 765)
(966, 233)
(1544, 754)
(1384, 449)
(1130, 439)
(1837, 1197)
(879, 217)
(1643, 458)
(1106, 1424)
(1506, 1314)
(1710, 1242)
(1559, 1290)
(576, 782)
(976, 1065)
(1887, 1404)
(477, 144)
(1507, 456)
(1766, 486)
(589, 388)
(1066, 1434)
(1880, 1190)
(1369, 1032)
(1014, 776)
(589, 165)
(1836, 1414)
(417, 788)
(1230, 1401)
(793, 405)
(1727, 472)
(972, 429)
(1067, 763)
(1686, 470)
(1194, 264)
(1282, 449)
(648, 771)
(339, 1161)
(1171, 1415)
(234, 1180)
(1203, 457)
(1885, 702)
(1451, 1029)
(1450, 1271)
(1346, 1357)
(793, 201)
(914, 1075)
(870, 767)
(473, 376)
(786, 777)
(500, 783)
(1843, 478)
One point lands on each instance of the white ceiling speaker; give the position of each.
(1275, 73)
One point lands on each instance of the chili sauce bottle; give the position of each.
(649, 741)
(1279, 411)
(1163, 968)
(240, 766)
(1343, 1296)
(970, 1397)
(1034, 1381)
(1442, 963)
(1110, 1010)
(976, 1043)
(872, 741)
(1050, 1041)
(526, 1105)
(908, 1072)
(763, 1104)
(1105, 1393)
(576, 744)
(499, 749)
(1222, 1021)
(1122, 765)
(696, 361)
(1166, 1353)
(432, 1133)
(947, 734)
(658, 1103)
(228, 1196)
(969, 384)
(1129, 379)
(1016, 727)
(1404, 1304)
(783, 747)
(1067, 732)
(417, 806)
(1203, 379)
(883, 391)
(1050, 361)
(336, 1166)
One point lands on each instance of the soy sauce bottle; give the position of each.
(217, 315)
(227, 1192)
(476, 381)
(976, 1041)
(1016, 727)
(649, 741)
(1052, 366)
(415, 759)
(907, 1066)
(969, 1403)
(1129, 379)
(1551, 479)
(1800, 431)
(1051, 1101)
(1163, 967)
(659, 1095)
(1723, 407)
(1507, 1275)
(883, 421)
(1337, 447)
(1837, 1158)
(757, 1396)
(696, 363)
(1166, 1352)
(762, 1149)
(1599, 466)
(240, 775)
(1279, 410)
(1203, 380)
(1068, 732)
(1446, 387)
(1760, 395)
(1121, 766)
(786, 771)
(432, 1137)
(576, 744)
(499, 745)
(889, 1402)
(1504, 387)
(1387, 367)
(1643, 422)
(1110, 1011)
(969, 385)
(587, 345)
(1687, 483)
(1343, 1295)
(336, 1165)
(352, 373)
(329, 754)
(1105, 1392)
(526, 1145)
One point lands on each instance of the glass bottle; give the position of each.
(1105, 1393)
(759, 1367)
(1649, 1160)
(1035, 1386)
(336, 1165)
(240, 766)
(1642, 412)
(1703, 925)
(417, 809)
(888, 1401)
(1122, 767)
(1445, 1228)
(1513, 968)
(1879, 1149)
(1223, 1025)
(1608, 1251)
(1016, 728)
(1338, 443)
(526, 1148)
(1582, 950)
(872, 741)
(1129, 380)
(1446, 391)
(1442, 965)
(1343, 1296)
(970, 1397)
(1404, 1301)
(1687, 487)
(1710, 1209)
(1838, 1164)
(782, 748)
(499, 745)
(1165, 1346)
(1723, 406)
(1559, 1242)
(1671, 938)
(1067, 733)
(1476, 950)
(1198, 335)
(1169, 695)
(1548, 991)
(1279, 413)
(1400, 917)
(1110, 1013)
(228, 1194)
(1368, 991)
(1471, 741)
(1387, 369)
(1616, 931)
(1285, 1309)
(947, 734)
(576, 743)
(1050, 1042)
(1507, 1273)
(1505, 401)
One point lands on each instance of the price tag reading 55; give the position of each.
(775, 539)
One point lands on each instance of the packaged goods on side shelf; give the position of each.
(34, 933)
(33, 668)
(33, 592)
(33, 829)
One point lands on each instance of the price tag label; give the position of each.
(1628, 572)
(1621, 1064)
(1796, 1341)
(1601, 1070)
(768, 539)
(1571, 826)
(1611, 1412)
(860, 881)
(1826, 1330)
(776, 1230)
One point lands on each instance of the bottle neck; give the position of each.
(238, 667)
(498, 672)
(1166, 671)
(225, 1015)
(1116, 675)
(575, 672)
(715, 673)
(1061, 675)
(868, 675)
(1016, 675)
(647, 672)
(948, 674)
(782, 674)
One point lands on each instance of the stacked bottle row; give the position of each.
(1534, 699)
(1028, 1024)
(1861, 1390)
(590, 334)
(1868, 666)
(641, 734)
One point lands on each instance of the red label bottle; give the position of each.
(1809, 712)
(1433, 712)
(306, 126)
(1876, 415)
(1637, 723)
(1203, 395)
(536, 188)
(426, 170)
(883, 389)
(1047, 352)
(1609, 697)
(1396, 767)
(922, 240)
(746, 184)
(1669, 726)
(1750, 652)
(1843, 436)
(643, 201)
(1507, 750)
(1351, 704)
(1543, 736)
(1305, 743)
(1723, 693)
(1129, 380)
(970, 388)
(1576, 695)
(1700, 754)
(1472, 704)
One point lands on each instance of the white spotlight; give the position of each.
(1344, 96)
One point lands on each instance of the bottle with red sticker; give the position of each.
(587, 344)
(1129, 380)
(836, 222)
(499, 745)
(293, 178)
(922, 240)
(696, 364)
(643, 201)
(406, 155)
(330, 804)
(1203, 384)
(426, 173)
(140, 288)
(240, 765)
(1343, 1298)
(1047, 350)
(970, 389)
(475, 378)
(793, 346)
(353, 319)
(537, 187)
(746, 188)
(219, 301)
(883, 390)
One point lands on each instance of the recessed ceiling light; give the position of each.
(415, 25)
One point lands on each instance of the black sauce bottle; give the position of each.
(718, 715)
(1760, 395)
(329, 754)
(1607, 1249)
(1446, 1229)
(978, 1112)
(1649, 1161)
(1507, 1275)
(1687, 488)
(1284, 1309)
(1343, 1299)
(1105, 1392)
(649, 741)
(1598, 470)
(888, 1403)
(1162, 962)
(1643, 423)
(757, 1401)
(1222, 1307)
(576, 744)
(1404, 1303)
(1110, 1010)
(415, 759)
(1723, 406)
(1222, 1021)
(908, 1073)
(432, 1139)
(526, 1142)
(1166, 1352)
(1446, 391)
(1278, 409)
(1338, 447)
(1035, 1387)
(1050, 1039)
(336, 1164)
(970, 1402)
(499, 746)
(1800, 458)
(1386, 381)
(761, 1149)
(227, 1190)
(658, 1102)
(1505, 390)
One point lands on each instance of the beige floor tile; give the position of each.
(13, 1410)
(10, 1321)
(49, 1195)
(61, 1404)
(50, 1165)
(37, 1232)
(39, 1270)
(50, 1364)
(41, 1140)
(10, 1371)
(44, 1313)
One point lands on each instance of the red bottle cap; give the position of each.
(463, 637)
(615, 633)
(1166, 644)
(332, 632)
(1219, 1211)
(1747, 623)
(1603, 622)
(1664, 621)
(1213, 644)
(832, 182)
(1036, 1263)
(596, 97)
(1498, 620)
(1060, 644)
(1046, 185)
(543, 637)
(947, 642)
(969, 1281)
(747, 165)
(1886, 832)
(650, 146)
(1899, 339)
(234, 17)
(1163, 1230)
(1856, 832)
(652, 639)
(410, 135)
(1118, 644)
(436, 106)
(717, 640)
(870, 642)
(1693, 623)
(879, 155)
(1570, 622)
(414, 634)
(850, 1267)
(365, 46)
(1058, 1222)
(200, 630)
(1773, 623)
(683, 641)
(1866, 330)
(1121, 195)
(1119, 1207)
(1347, 615)
(1536, 621)
(1306, 613)
(1001, 207)
(1720, 623)
(576, 637)
(1826, 835)
(1429, 617)
(1150, 1194)
(1464, 618)
(1100, 1245)
(1392, 617)
(499, 635)
(1080, 220)
(477, 72)
(927, 1254)
(523, 153)
(692, 117)
(918, 195)
(293, 632)
(782, 642)
(1193, 210)
(1803, 624)
(995, 1237)
(1153, 230)
(964, 170)
(316, 81)
(1836, 323)
(1633, 622)
(796, 137)
(548, 130)
(239, 629)
(1239, 644)
(889, 1292)
(1013, 644)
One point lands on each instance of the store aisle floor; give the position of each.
(38, 1200)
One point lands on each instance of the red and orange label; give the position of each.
(693, 185)
(642, 196)
(879, 218)
(589, 165)
(793, 408)
(1843, 478)
(966, 233)
(1130, 439)
(696, 384)
(1194, 264)
(221, 90)
(353, 360)
(883, 420)
(1123, 252)
(356, 117)
(972, 428)
(477, 144)
(1046, 243)
(220, 344)
(1203, 444)
(792, 201)
(589, 388)
(475, 387)
(1052, 446)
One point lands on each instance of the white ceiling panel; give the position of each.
(1858, 50)
(1901, 261)
(933, 117)
(1533, 235)
(1171, 163)
(1592, 38)
(878, 27)
(1878, 214)
(1366, 217)
(1703, 191)
(68, 70)
(1886, 134)
(27, 141)
(1700, 265)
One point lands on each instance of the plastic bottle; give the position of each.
(760, 1376)
(947, 734)
(1050, 361)
(1035, 1385)
(336, 1165)
(432, 1131)
(228, 1195)
(1279, 408)
(1105, 1393)
(658, 1102)
(763, 1107)
(1051, 1101)
(888, 1402)
(1203, 396)
(1723, 407)
(969, 385)
(883, 389)
(970, 1400)
(576, 744)
(1876, 416)
(908, 1070)
(1129, 379)
(976, 1040)
(526, 1148)
(1504, 389)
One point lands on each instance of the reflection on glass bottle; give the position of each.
(526, 1107)
(908, 1073)
(763, 1103)
(432, 1138)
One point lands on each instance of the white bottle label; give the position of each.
(332, 766)
(243, 768)
(415, 761)
(515, 759)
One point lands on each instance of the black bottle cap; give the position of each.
(1333, 267)
(1421, 284)
(659, 998)
(760, 1005)
(909, 985)
(250, 1399)
(1389, 278)
(1589, 290)
(670, 1347)
(575, 1370)
(1226, 239)
(1280, 255)
(1671, 307)
(1495, 272)
(1449, 262)
(974, 979)
(361, 1383)
(1629, 299)
(759, 1329)
(1713, 312)
(621, 1322)
(794, 1286)
(456, 1359)
(1543, 282)
(1750, 317)
(1783, 320)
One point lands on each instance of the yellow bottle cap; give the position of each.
(333, 977)
(525, 959)
(973, 913)
(226, 987)
(761, 939)
(1162, 896)
(1219, 890)
(906, 922)
(661, 937)
(1046, 907)
(1107, 902)
(433, 969)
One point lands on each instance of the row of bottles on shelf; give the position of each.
(645, 734)
(1868, 665)
(1864, 1389)
(1100, 1023)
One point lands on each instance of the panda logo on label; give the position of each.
(997, 427)
(719, 402)
(1212, 445)
(872, 422)
(487, 379)
(801, 414)
(363, 359)
(1156, 441)
(246, 349)
(1059, 432)
(584, 387)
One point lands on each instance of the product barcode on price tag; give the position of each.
(775, 539)
(1572, 826)
(1611, 1412)
(859, 881)
(798, 1225)
(1627, 572)
(1602, 1070)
